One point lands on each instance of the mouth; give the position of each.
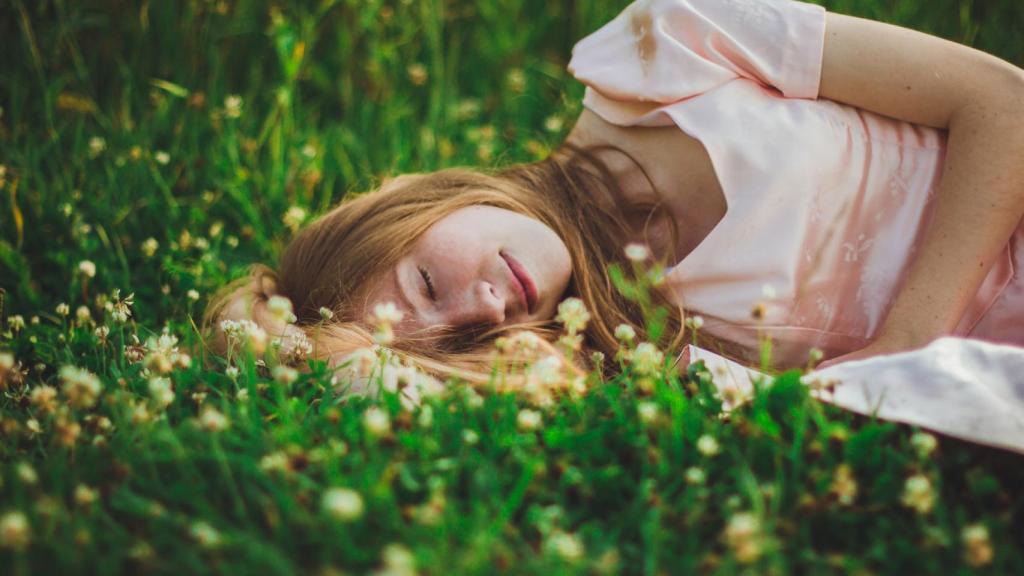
(524, 284)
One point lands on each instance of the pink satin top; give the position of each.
(827, 203)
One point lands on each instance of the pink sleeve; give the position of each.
(666, 50)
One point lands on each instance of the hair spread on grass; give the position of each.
(327, 264)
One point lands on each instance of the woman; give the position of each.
(834, 182)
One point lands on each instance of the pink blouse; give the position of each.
(827, 203)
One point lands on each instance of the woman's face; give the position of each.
(478, 267)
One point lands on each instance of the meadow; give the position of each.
(151, 151)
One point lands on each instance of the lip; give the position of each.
(526, 287)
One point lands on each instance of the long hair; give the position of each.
(328, 264)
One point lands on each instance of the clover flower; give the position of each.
(160, 391)
(708, 446)
(205, 535)
(245, 332)
(844, 485)
(81, 387)
(84, 495)
(637, 252)
(44, 398)
(87, 268)
(294, 217)
(233, 106)
(695, 476)
(285, 375)
(26, 474)
(149, 247)
(744, 536)
(977, 545)
(83, 315)
(376, 422)
(924, 444)
(648, 412)
(564, 545)
(342, 504)
(625, 333)
(573, 314)
(16, 323)
(528, 420)
(326, 313)
(385, 315)
(918, 494)
(63, 309)
(695, 322)
(15, 532)
(646, 359)
(212, 420)
(280, 309)
(96, 146)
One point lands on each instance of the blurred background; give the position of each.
(173, 143)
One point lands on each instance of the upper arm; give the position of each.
(909, 75)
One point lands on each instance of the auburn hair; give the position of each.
(329, 263)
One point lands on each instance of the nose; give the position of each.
(482, 304)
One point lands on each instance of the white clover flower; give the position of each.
(233, 106)
(87, 268)
(708, 446)
(565, 545)
(6, 361)
(325, 313)
(695, 476)
(695, 322)
(815, 354)
(192, 294)
(647, 359)
(149, 247)
(294, 218)
(63, 309)
(245, 332)
(231, 372)
(637, 252)
(81, 387)
(206, 535)
(924, 444)
(844, 485)
(343, 504)
(918, 494)
(744, 537)
(96, 146)
(554, 123)
(470, 437)
(280, 308)
(625, 333)
(648, 412)
(160, 391)
(83, 314)
(547, 371)
(285, 375)
(16, 323)
(387, 313)
(212, 420)
(376, 422)
(573, 314)
(102, 332)
(26, 473)
(398, 561)
(276, 462)
(977, 545)
(15, 532)
(84, 495)
(529, 420)
(162, 158)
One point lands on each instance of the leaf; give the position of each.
(170, 87)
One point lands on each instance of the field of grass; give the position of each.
(155, 149)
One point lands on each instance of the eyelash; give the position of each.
(430, 284)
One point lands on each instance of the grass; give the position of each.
(165, 143)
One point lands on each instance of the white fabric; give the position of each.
(964, 388)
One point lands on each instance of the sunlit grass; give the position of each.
(151, 150)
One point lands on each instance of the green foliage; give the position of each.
(173, 143)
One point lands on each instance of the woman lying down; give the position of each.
(858, 186)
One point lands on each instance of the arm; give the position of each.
(979, 99)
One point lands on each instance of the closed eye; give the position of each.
(429, 283)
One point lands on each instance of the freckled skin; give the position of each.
(473, 284)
